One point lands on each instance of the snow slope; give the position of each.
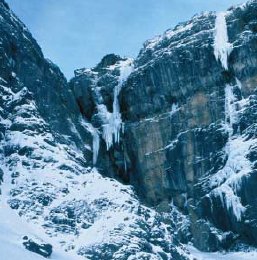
(49, 195)
(198, 255)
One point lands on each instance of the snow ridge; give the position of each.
(51, 196)
(151, 44)
(222, 47)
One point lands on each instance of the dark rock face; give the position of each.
(180, 71)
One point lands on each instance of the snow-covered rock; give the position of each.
(132, 157)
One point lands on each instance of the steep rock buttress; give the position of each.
(186, 137)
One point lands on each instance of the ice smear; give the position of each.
(113, 125)
(174, 109)
(227, 181)
(96, 139)
(222, 47)
(230, 109)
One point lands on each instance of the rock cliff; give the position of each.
(133, 157)
(188, 118)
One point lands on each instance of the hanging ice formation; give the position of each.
(112, 127)
(228, 180)
(96, 139)
(222, 47)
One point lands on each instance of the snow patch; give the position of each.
(196, 254)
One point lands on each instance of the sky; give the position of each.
(78, 33)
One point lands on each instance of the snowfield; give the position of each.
(49, 196)
(198, 255)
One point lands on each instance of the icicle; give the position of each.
(228, 180)
(96, 144)
(239, 84)
(222, 47)
(96, 139)
(230, 201)
(113, 125)
(230, 110)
